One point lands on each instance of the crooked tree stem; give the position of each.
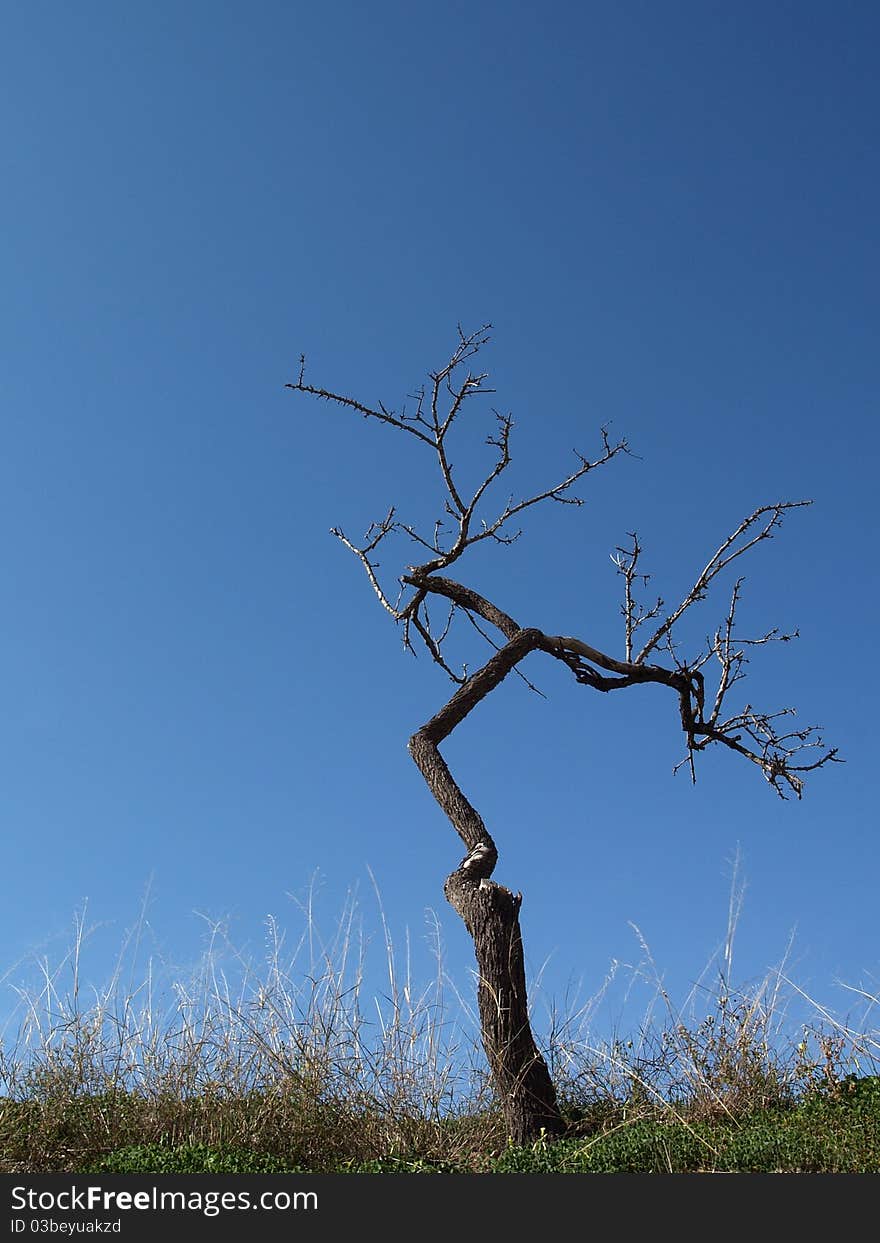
(491, 914)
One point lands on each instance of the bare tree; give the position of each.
(769, 740)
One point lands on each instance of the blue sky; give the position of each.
(669, 214)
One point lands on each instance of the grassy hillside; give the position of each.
(833, 1130)
(293, 1070)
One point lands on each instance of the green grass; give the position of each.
(830, 1131)
(189, 1159)
(825, 1134)
(294, 1072)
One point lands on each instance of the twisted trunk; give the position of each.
(491, 915)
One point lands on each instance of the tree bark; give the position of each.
(491, 915)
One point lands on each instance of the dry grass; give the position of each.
(294, 1059)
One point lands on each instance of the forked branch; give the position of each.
(770, 517)
(436, 412)
(783, 755)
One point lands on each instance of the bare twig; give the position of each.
(375, 535)
(383, 415)
(634, 615)
(727, 552)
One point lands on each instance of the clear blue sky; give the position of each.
(669, 214)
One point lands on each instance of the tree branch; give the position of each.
(378, 531)
(382, 415)
(751, 733)
(727, 552)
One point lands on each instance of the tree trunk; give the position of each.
(491, 915)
